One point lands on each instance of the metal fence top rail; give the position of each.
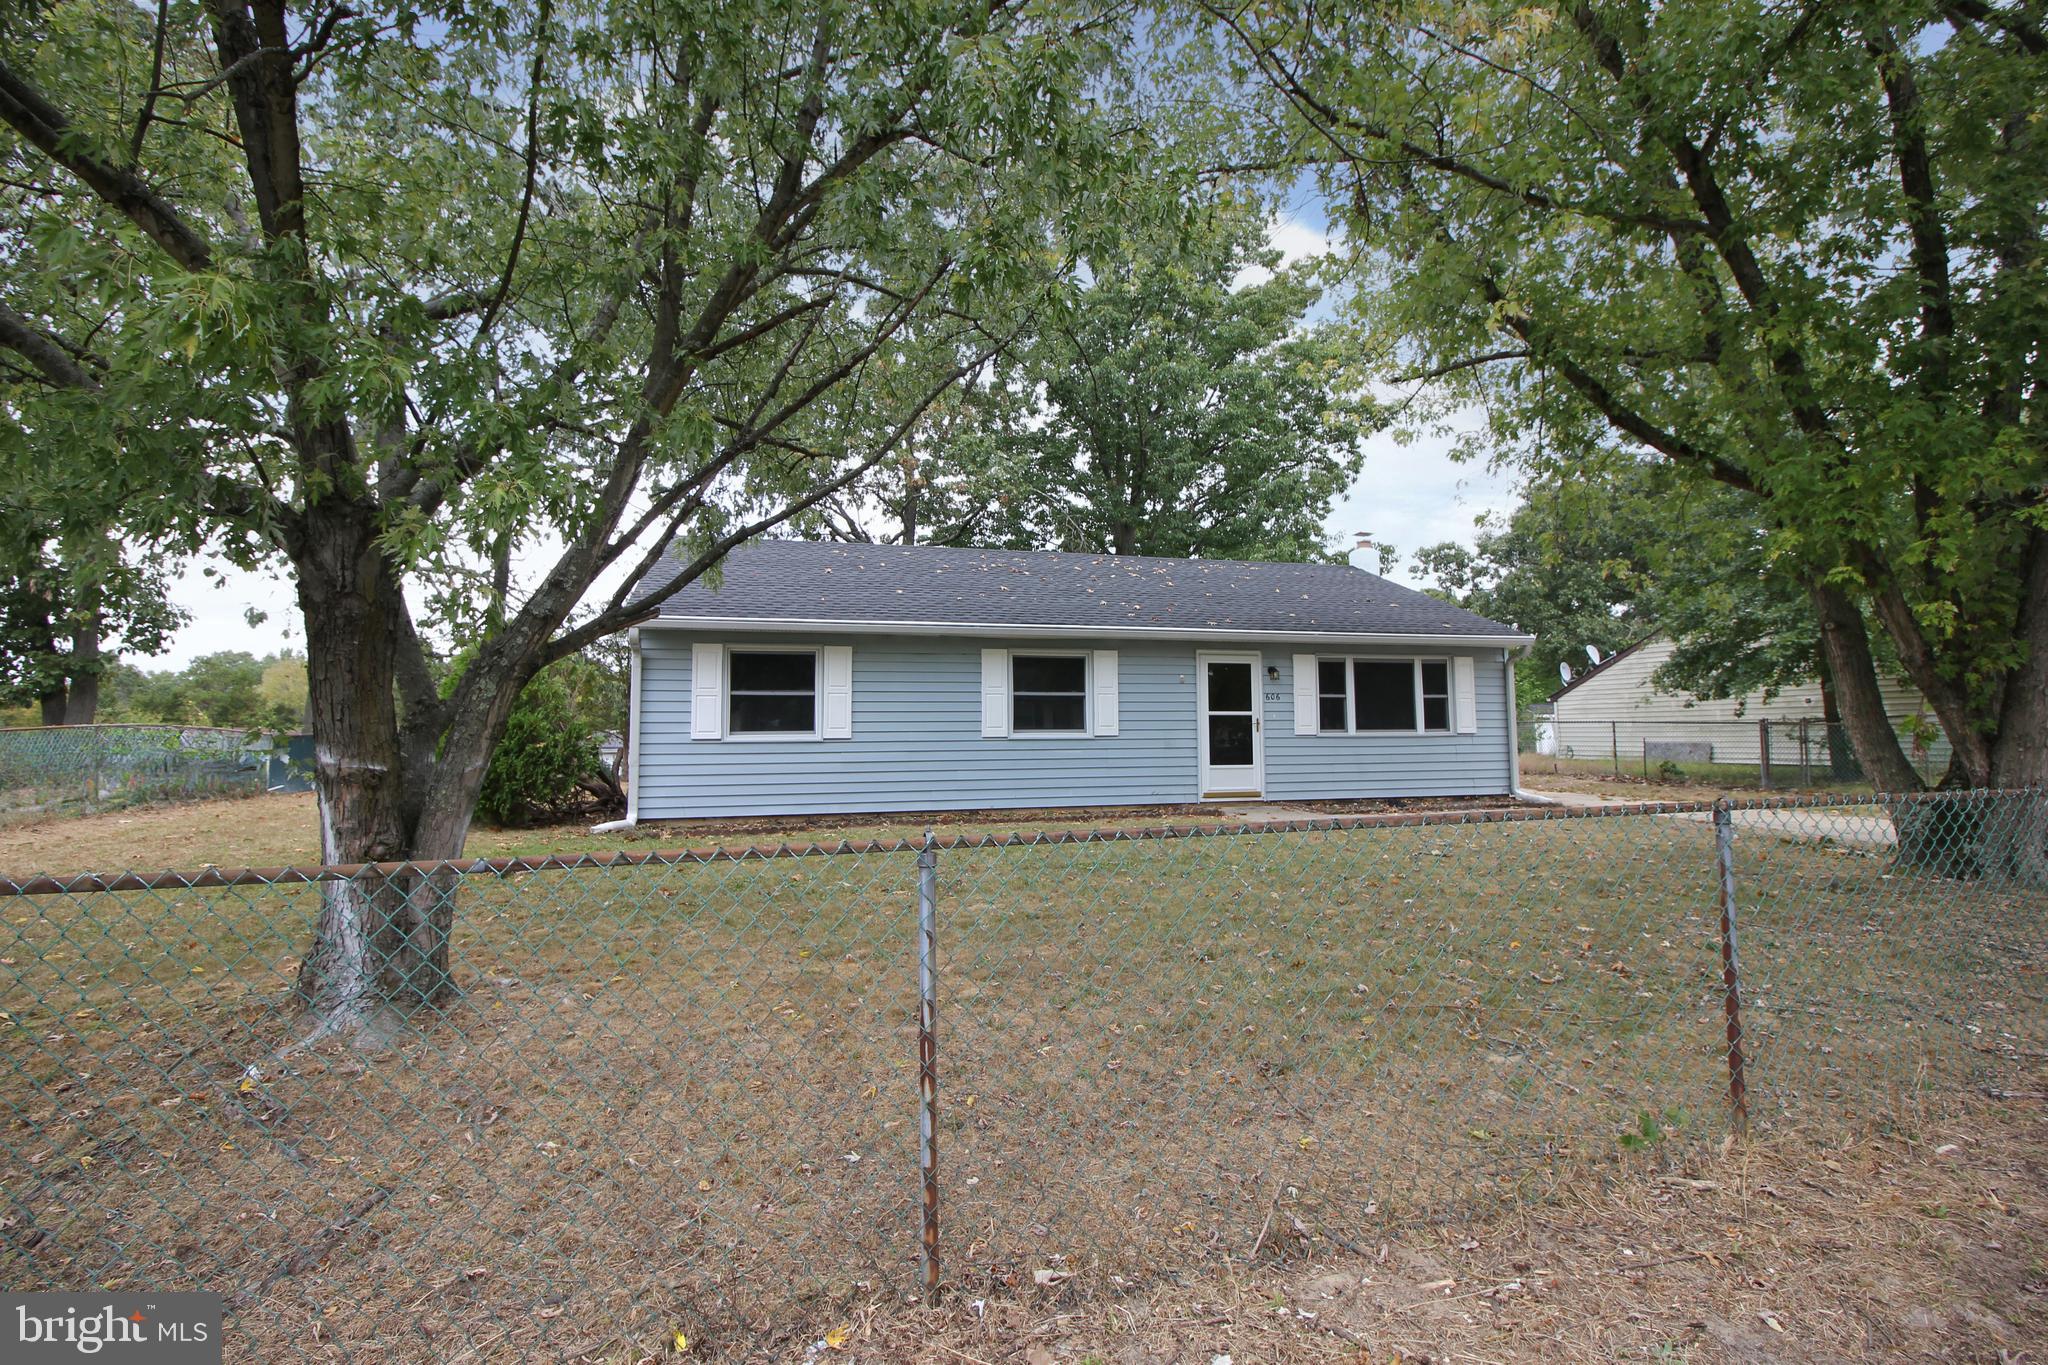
(130, 725)
(57, 885)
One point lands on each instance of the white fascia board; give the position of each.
(757, 624)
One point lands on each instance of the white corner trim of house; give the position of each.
(632, 741)
(1515, 741)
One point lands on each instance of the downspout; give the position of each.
(1515, 739)
(632, 740)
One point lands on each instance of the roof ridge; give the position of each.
(1102, 555)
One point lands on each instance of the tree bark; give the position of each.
(912, 495)
(1846, 647)
(2019, 756)
(1841, 754)
(381, 945)
(82, 701)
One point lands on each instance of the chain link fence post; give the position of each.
(928, 1056)
(1731, 966)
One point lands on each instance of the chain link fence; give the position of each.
(81, 769)
(1804, 754)
(746, 1094)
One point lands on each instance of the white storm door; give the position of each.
(1232, 738)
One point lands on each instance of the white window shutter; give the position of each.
(1308, 702)
(707, 691)
(995, 693)
(835, 692)
(1464, 696)
(1105, 692)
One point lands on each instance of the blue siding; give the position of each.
(1305, 767)
(917, 742)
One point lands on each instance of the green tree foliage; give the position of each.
(69, 606)
(232, 689)
(396, 295)
(282, 692)
(547, 752)
(1569, 566)
(1635, 550)
(1168, 402)
(1795, 251)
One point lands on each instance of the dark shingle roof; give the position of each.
(786, 580)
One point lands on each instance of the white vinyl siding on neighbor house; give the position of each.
(920, 710)
(1619, 708)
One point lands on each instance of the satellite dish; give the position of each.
(1564, 670)
(1594, 655)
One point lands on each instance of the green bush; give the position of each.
(546, 751)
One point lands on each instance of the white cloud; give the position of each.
(1296, 239)
(1414, 494)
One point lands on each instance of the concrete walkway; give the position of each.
(1868, 827)
(1267, 813)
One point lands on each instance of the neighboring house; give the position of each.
(826, 678)
(1615, 708)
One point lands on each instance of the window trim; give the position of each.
(1343, 667)
(815, 733)
(1087, 730)
(1415, 662)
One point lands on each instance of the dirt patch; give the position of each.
(1926, 1244)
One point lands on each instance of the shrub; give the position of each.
(545, 754)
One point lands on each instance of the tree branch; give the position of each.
(52, 359)
(2015, 23)
(1327, 120)
(156, 81)
(1468, 363)
(532, 171)
(618, 613)
(1923, 209)
(43, 126)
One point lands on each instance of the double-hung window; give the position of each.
(1049, 694)
(1333, 699)
(1435, 677)
(774, 692)
(1383, 696)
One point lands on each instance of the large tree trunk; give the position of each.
(2019, 756)
(1842, 764)
(392, 787)
(1853, 673)
(82, 703)
(53, 705)
(380, 948)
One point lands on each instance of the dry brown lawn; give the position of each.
(1926, 1243)
(282, 830)
(1193, 1086)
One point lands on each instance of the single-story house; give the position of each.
(1616, 708)
(832, 678)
